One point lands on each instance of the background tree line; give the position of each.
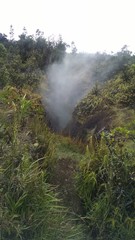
(25, 60)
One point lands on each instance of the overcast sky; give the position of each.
(94, 25)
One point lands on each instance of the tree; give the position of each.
(73, 48)
(11, 33)
(4, 75)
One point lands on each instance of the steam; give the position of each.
(68, 82)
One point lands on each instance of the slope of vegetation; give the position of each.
(30, 207)
(79, 186)
(106, 106)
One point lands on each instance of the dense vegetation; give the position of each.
(79, 183)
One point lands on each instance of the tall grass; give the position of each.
(30, 208)
(106, 184)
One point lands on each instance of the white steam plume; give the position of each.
(67, 83)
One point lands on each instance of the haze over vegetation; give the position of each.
(67, 141)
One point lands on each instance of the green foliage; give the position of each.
(88, 106)
(3, 52)
(30, 55)
(107, 66)
(66, 147)
(24, 61)
(30, 208)
(106, 184)
(108, 105)
(4, 74)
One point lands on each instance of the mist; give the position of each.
(68, 82)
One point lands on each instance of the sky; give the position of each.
(94, 25)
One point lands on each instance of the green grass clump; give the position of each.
(65, 147)
(30, 209)
(106, 184)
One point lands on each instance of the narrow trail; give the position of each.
(63, 177)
